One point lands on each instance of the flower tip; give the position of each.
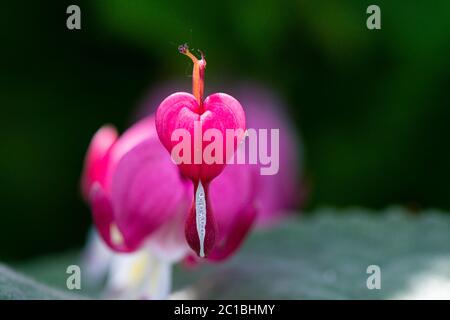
(183, 48)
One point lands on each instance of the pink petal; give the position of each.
(181, 111)
(240, 227)
(147, 191)
(232, 197)
(140, 131)
(223, 112)
(231, 193)
(95, 160)
(103, 215)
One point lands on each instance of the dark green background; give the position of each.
(372, 106)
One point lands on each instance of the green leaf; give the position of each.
(326, 257)
(15, 286)
(320, 256)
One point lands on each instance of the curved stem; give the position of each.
(198, 74)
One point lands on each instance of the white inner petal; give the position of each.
(116, 235)
(200, 216)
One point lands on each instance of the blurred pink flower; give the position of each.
(133, 188)
(274, 194)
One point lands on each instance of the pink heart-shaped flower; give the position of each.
(201, 135)
(220, 112)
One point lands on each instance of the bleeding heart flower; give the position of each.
(219, 112)
(264, 110)
(140, 202)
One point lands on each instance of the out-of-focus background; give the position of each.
(372, 107)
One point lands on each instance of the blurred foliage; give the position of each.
(293, 262)
(372, 106)
(15, 286)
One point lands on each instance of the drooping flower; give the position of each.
(264, 110)
(217, 113)
(135, 190)
(140, 201)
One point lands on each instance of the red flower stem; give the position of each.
(198, 75)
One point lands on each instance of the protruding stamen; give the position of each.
(198, 73)
(200, 228)
(200, 217)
